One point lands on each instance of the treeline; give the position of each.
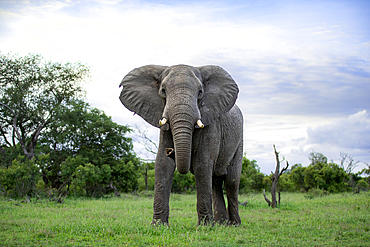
(319, 175)
(54, 144)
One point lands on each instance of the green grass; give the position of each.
(333, 220)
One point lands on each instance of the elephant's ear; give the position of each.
(220, 93)
(140, 93)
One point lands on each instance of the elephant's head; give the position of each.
(179, 98)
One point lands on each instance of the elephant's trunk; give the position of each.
(182, 131)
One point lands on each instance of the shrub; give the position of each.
(91, 179)
(20, 178)
(183, 182)
(312, 193)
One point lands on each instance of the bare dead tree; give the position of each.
(268, 201)
(142, 138)
(275, 180)
(150, 146)
(116, 192)
(347, 162)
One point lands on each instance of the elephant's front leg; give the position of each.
(203, 180)
(164, 170)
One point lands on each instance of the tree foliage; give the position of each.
(31, 91)
(251, 178)
(67, 146)
(80, 130)
(319, 175)
(21, 177)
(88, 154)
(183, 182)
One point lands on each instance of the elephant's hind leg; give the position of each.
(219, 207)
(232, 186)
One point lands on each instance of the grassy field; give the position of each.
(333, 220)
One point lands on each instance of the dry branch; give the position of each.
(266, 199)
(244, 203)
(275, 180)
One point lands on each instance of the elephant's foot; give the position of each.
(235, 221)
(160, 215)
(159, 222)
(206, 220)
(221, 219)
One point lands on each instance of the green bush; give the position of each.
(91, 180)
(183, 183)
(251, 178)
(312, 193)
(151, 179)
(285, 183)
(319, 175)
(20, 178)
(126, 175)
(362, 184)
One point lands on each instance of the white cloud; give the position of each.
(350, 133)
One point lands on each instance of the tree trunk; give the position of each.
(275, 180)
(273, 194)
(146, 177)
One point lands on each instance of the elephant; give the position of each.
(201, 131)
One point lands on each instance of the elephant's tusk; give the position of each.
(200, 124)
(163, 121)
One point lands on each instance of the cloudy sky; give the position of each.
(303, 67)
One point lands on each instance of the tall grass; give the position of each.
(332, 220)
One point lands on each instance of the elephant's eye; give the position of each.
(200, 93)
(163, 92)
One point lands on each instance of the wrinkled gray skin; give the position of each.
(183, 94)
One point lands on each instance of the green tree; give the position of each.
(251, 177)
(31, 91)
(285, 183)
(297, 176)
(329, 177)
(362, 184)
(81, 130)
(316, 157)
